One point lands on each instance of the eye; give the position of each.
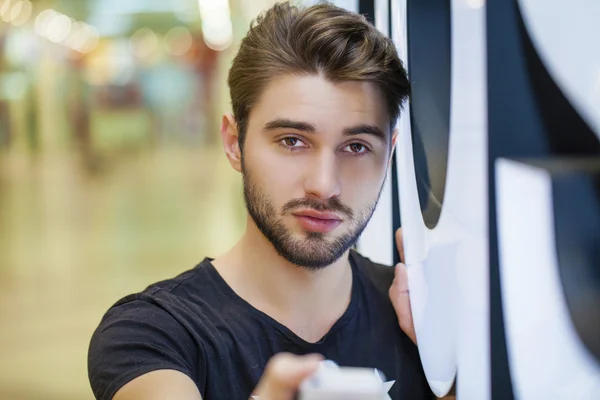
(356, 148)
(291, 142)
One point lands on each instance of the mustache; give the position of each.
(332, 205)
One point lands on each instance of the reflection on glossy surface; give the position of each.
(71, 244)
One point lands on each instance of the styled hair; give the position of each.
(323, 40)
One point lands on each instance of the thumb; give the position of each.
(400, 298)
(283, 375)
(400, 244)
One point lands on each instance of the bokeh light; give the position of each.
(178, 41)
(58, 28)
(21, 12)
(144, 42)
(217, 27)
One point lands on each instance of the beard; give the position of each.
(315, 251)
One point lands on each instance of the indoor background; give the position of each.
(112, 174)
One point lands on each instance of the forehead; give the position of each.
(330, 106)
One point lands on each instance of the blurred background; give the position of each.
(112, 174)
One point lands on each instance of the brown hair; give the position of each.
(322, 39)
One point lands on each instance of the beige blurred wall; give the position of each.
(73, 240)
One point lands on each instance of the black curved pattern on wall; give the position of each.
(429, 47)
(576, 202)
(565, 131)
(513, 131)
(576, 197)
(529, 117)
(367, 8)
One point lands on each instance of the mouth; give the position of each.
(316, 221)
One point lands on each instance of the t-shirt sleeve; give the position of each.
(136, 336)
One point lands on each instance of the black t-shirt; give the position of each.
(196, 324)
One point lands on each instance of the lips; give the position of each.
(317, 221)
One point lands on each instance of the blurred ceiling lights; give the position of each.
(61, 29)
(16, 12)
(132, 7)
(56, 27)
(51, 25)
(217, 28)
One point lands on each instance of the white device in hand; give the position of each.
(331, 382)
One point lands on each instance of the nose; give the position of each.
(322, 178)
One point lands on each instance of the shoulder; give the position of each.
(379, 275)
(136, 336)
(191, 291)
(180, 284)
(168, 304)
(159, 328)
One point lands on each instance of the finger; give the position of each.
(283, 375)
(401, 277)
(400, 244)
(400, 298)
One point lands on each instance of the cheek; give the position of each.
(363, 177)
(277, 177)
(360, 193)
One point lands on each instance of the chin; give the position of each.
(313, 253)
(312, 262)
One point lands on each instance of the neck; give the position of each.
(293, 295)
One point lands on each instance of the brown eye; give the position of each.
(290, 141)
(356, 147)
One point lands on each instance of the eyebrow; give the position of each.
(309, 128)
(289, 124)
(368, 129)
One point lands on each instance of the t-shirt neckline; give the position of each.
(288, 333)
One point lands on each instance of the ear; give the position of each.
(230, 135)
(394, 141)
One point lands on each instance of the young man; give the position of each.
(315, 95)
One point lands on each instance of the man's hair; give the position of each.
(322, 40)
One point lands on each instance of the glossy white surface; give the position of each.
(567, 39)
(546, 357)
(448, 265)
(382, 14)
(467, 196)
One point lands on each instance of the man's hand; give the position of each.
(283, 375)
(399, 293)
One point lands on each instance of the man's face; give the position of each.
(314, 160)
